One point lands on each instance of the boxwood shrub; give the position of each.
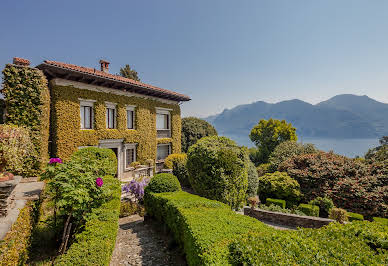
(95, 244)
(355, 216)
(309, 209)
(278, 202)
(103, 161)
(381, 220)
(163, 183)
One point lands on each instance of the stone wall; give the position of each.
(286, 219)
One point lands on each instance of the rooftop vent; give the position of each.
(104, 66)
(21, 61)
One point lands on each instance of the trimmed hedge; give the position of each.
(163, 183)
(309, 209)
(202, 227)
(15, 245)
(102, 161)
(95, 244)
(355, 217)
(277, 202)
(381, 220)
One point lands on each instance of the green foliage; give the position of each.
(256, 156)
(102, 161)
(277, 208)
(175, 157)
(2, 111)
(27, 102)
(179, 169)
(17, 153)
(288, 149)
(338, 214)
(355, 216)
(163, 183)
(253, 180)
(263, 169)
(308, 209)
(16, 243)
(268, 134)
(277, 202)
(279, 185)
(202, 227)
(379, 153)
(218, 169)
(128, 208)
(383, 221)
(129, 73)
(95, 244)
(193, 129)
(325, 205)
(335, 244)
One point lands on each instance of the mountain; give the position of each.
(343, 116)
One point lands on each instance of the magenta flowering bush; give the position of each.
(136, 188)
(55, 160)
(99, 182)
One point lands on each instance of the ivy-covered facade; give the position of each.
(90, 107)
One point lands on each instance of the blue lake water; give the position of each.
(347, 147)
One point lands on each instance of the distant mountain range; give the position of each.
(343, 116)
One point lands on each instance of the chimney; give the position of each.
(104, 66)
(21, 61)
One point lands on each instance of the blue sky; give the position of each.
(222, 53)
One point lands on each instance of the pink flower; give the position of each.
(55, 160)
(99, 182)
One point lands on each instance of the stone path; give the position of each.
(140, 243)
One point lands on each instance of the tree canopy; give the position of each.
(267, 134)
(127, 72)
(194, 129)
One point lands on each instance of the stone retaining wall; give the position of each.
(287, 219)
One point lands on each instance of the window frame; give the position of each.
(86, 103)
(163, 111)
(129, 146)
(109, 105)
(131, 108)
(168, 153)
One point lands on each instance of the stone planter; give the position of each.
(6, 188)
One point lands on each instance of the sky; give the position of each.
(221, 53)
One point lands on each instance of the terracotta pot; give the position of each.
(10, 175)
(4, 178)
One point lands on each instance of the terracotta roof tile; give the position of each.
(102, 74)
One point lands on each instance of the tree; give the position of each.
(268, 134)
(193, 129)
(379, 153)
(127, 72)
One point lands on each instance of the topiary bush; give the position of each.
(325, 205)
(253, 180)
(163, 183)
(288, 149)
(17, 153)
(218, 169)
(99, 160)
(338, 214)
(175, 157)
(308, 209)
(354, 217)
(177, 162)
(193, 129)
(277, 202)
(380, 220)
(279, 185)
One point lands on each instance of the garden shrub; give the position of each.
(278, 202)
(128, 208)
(277, 208)
(193, 129)
(381, 220)
(95, 244)
(308, 209)
(338, 214)
(177, 162)
(103, 161)
(17, 153)
(354, 217)
(263, 169)
(175, 157)
(279, 185)
(286, 150)
(16, 243)
(325, 204)
(218, 169)
(163, 183)
(253, 180)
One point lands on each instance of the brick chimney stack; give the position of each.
(104, 66)
(21, 61)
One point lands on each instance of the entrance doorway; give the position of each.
(116, 146)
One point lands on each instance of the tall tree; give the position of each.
(127, 72)
(268, 134)
(194, 129)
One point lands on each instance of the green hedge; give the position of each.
(95, 244)
(355, 217)
(308, 209)
(381, 220)
(278, 202)
(202, 227)
(102, 161)
(163, 183)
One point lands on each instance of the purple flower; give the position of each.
(136, 188)
(99, 182)
(55, 160)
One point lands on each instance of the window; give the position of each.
(130, 117)
(163, 150)
(110, 115)
(163, 123)
(86, 114)
(130, 155)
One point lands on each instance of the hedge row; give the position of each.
(14, 247)
(95, 244)
(202, 227)
(211, 234)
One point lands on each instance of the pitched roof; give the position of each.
(140, 87)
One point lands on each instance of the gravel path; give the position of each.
(140, 243)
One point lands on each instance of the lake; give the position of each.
(347, 147)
